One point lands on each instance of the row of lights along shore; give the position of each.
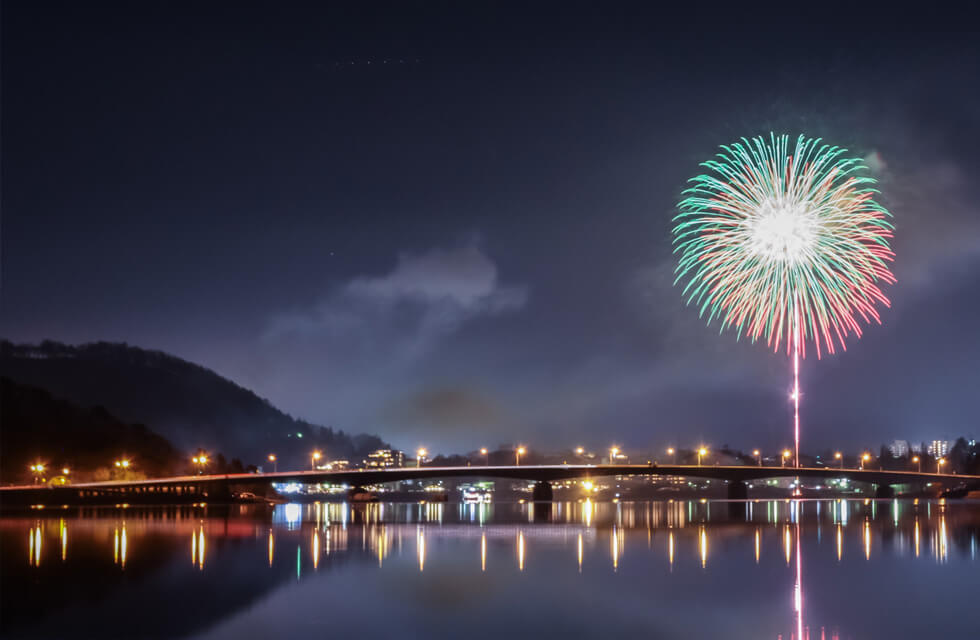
(201, 460)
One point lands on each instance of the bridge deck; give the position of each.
(530, 473)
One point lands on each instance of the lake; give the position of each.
(773, 569)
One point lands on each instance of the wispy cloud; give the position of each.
(424, 296)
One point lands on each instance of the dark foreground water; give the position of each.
(768, 569)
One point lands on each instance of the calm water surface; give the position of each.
(684, 569)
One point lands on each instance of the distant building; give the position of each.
(938, 448)
(899, 448)
(385, 459)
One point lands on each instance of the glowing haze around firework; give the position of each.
(784, 243)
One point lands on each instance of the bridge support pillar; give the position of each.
(543, 492)
(884, 491)
(737, 490)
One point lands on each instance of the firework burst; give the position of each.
(785, 244)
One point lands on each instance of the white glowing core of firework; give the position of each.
(782, 230)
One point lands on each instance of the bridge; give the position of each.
(223, 487)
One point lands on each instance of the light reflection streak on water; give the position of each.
(64, 540)
(798, 591)
(197, 548)
(867, 540)
(520, 550)
(787, 543)
(122, 546)
(580, 552)
(272, 547)
(420, 547)
(840, 542)
(670, 550)
(942, 538)
(758, 544)
(483, 551)
(614, 548)
(916, 536)
(315, 546)
(34, 546)
(703, 546)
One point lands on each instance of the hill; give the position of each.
(186, 403)
(37, 427)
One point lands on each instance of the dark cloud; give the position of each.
(448, 408)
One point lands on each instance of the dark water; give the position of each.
(878, 569)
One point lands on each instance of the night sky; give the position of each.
(453, 229)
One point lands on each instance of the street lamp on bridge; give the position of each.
(518, 453)
(758, 456)
(918, 461)
(672, 452)
(703, 451)
(939, 465)
(613, 452)
(419, 455)
(314, 459)
(786, 454)
(840, 458)
(864, 459)
(275, 462)
(200, 460)
(486, 455)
